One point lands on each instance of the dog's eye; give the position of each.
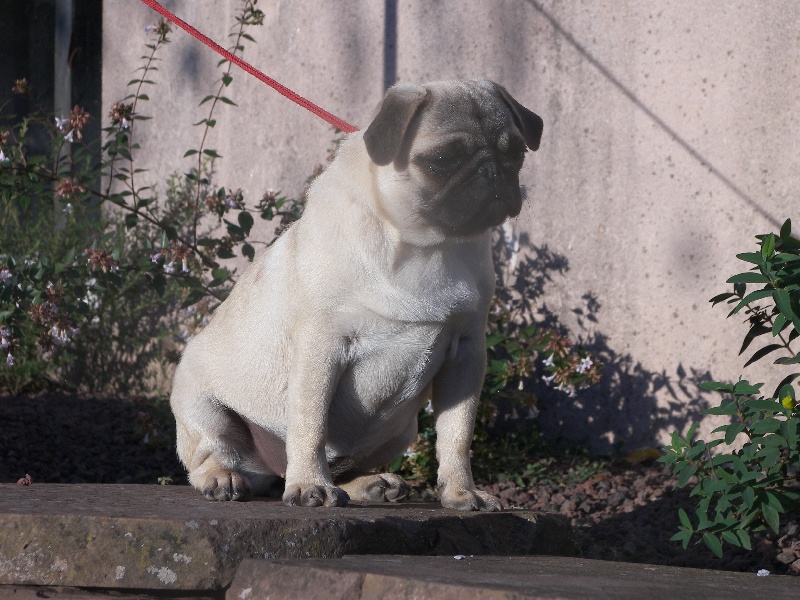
(442, 163)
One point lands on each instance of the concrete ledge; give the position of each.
(170, 537)
(492, 577)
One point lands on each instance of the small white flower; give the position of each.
(155, 257)
(59, 336)
(125, 123)
(68, 209)
(60, 123)
(409, 453)
(429, 407)
(169, 267)
(3, 157)
(185, 267)
(4, 343)
(585, 365)
(549, 361)
(533, 412)
(549, 379)
(229, 202)
(69, 137)
(5, 275)
(762, 572)
(10, 360)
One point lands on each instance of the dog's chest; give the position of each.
(390, 363)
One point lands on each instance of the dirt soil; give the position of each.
(627, 513)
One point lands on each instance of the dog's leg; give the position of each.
(380, 487)
(456, 391)
(316, 368)
(216, 447)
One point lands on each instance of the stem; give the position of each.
(207, 126)
(136, 95)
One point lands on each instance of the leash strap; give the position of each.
(283, 90)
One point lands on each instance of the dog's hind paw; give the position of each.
(384, 487)
(314, 495)
(225, 485)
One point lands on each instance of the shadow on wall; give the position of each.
(632, 405)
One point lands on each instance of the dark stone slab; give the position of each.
(170, 537)
(493, 577)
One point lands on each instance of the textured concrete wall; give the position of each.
(671, 138)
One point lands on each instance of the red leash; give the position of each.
(307, 104)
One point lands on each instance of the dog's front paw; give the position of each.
(226, 485)
(314, 495)
(461, 499)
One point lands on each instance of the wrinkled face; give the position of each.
(457, 170)
(470, 169)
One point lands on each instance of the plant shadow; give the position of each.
(632, 406)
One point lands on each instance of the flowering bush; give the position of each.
(749, 489)
(64, 263)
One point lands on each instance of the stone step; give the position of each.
(149, 537)
(496, 578)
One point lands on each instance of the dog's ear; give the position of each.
(385, 134)
(529, 123)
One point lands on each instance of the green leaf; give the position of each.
(751, 297)
(779, 324)
(716, 386)
(212, 153)
(768, 246)
(713, 543)
(751, 257)
(206, 99)
(733, 432)
(744, 388)
(749, 277)
(189, 153)
(744, 538)
(226, 80)
(786, 229)
(784, 304)
(686, 472)
(683, 537)
(731, 538)
(768, 425)
(785, 360)
(685, 521)
(771, 516)
(227, 101)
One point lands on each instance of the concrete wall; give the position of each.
(671, 139)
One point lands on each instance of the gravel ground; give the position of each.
(627, 513)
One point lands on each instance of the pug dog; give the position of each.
(374, 303)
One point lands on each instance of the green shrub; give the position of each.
(749, 489)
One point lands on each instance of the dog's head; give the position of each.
(448, 156)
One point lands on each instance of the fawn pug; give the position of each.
(373, 303)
